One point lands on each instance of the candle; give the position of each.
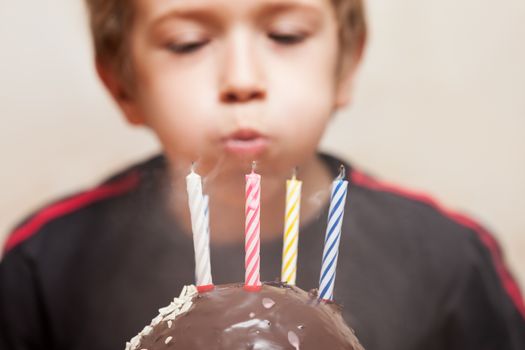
(333, 237)
(207, 243)
(252, 279)
(207, 214)
(200, 226)
(291, 230)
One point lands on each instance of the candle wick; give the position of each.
(192, 167)
(294, 175)
(254, 165)
(342, 172)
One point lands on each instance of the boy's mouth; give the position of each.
(246, 142)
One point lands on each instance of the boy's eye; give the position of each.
(286, 39)
(185, 48)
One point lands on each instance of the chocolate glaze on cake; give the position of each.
(229, 317)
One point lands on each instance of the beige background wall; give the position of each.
(440, 107)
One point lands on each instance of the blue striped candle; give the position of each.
(333, 237)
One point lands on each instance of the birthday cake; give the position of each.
(278, 316)
(250, 315)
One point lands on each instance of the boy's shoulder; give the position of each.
(376, 203)
(410, 215)
(394, 219)
(427, 234)
(74, 213)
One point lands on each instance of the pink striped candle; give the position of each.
(252, 246)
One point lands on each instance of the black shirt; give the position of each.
(89, 271)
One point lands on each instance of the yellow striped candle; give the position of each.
(291, 230)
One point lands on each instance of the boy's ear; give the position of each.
(347, 75)
(119, 92)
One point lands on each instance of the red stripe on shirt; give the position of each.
(510, 285)
(68, 206)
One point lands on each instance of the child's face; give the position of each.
(231, 81)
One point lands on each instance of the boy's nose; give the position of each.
(236, 94)
(241, 79)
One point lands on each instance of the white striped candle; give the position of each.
(333, 237)
(207, 244)
(199, 224)
(291, 231)
(207, 215)
(252, 280)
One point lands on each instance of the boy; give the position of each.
(223, 83)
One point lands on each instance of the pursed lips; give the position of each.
(246, 142)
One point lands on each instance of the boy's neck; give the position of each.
(227, 203)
